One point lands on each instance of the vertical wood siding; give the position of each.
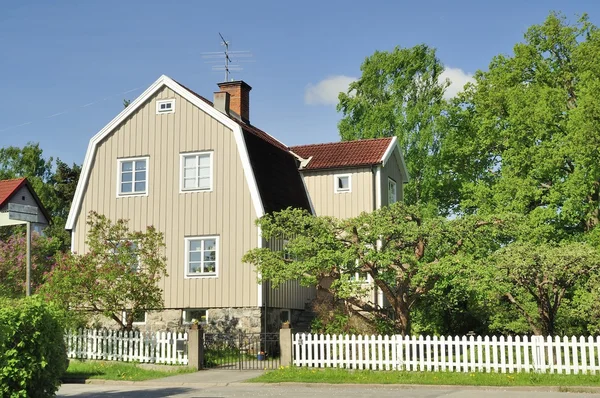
(227, 211)
(290, 294)
(341, 205)
(391, 170)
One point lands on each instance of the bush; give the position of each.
(32, 349)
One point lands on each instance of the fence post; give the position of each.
(286, 346)
(196, 347)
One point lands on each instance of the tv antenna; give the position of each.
(228, 66)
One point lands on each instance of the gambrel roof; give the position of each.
(270, 170)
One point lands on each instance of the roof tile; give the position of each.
(344, 154)
(8, 188)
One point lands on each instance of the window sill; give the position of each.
(194, 190)
(131, 195)
(200, 276)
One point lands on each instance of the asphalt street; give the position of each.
(191, 390)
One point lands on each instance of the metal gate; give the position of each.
(241, 351)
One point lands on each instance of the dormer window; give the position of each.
(165, 106)
(343, 183)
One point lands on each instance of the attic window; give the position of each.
(165, 106)
(343, 183)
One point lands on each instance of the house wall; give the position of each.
(289, 295)
(320, 186)
(392, 170)
(227, 211)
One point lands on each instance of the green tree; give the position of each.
(400, 93)
(536, 279)
(120, 271)
(404, 254)
(524, 137)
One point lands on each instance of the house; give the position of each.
(201, 173)
(18, 191)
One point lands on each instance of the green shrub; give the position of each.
(32, 350)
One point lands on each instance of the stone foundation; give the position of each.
(219, 320)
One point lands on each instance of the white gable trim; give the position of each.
(395, 147)
(134, 106)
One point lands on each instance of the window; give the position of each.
(286, 253)
(201, 256)
(392, 198)
(133, 177)
(165, 106)
(139, 317)
(194, 313)
(285, 316)
(343, 183)
(128, 252)
(196, 171)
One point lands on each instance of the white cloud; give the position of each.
(326, 91)
(458, 78)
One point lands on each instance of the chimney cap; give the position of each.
(241, 83)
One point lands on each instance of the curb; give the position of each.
(158, 382)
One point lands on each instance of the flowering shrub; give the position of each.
(13, 263)
(120, 270)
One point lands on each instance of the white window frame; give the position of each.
(160, 111)
(336, 178)
(182, 157)
(186, 253)
(391, 180)
(200, 321)
(120, 162)
(124, 315)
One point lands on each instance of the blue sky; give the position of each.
(80, 57)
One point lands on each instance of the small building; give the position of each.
(18, 191)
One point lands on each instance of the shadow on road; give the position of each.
(133, 393)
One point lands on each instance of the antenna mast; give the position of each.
(227, 59)
(228, 67)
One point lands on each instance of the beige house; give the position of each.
(202, 174)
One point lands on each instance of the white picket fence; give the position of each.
(117, 345)
(458, 354)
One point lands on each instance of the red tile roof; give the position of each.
(8, 188)
(344, 154)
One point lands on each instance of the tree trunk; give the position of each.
(402, 313)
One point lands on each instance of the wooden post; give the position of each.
(196, 348)
(286, 345)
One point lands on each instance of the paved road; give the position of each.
(199, 390)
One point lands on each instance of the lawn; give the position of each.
(339, 376)
(119, 371)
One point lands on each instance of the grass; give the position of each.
(343, 376)
(119, 371)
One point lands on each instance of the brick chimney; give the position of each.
(239, 98)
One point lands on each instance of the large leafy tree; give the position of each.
(400, 93)
(120, 271)
(403, 253)
(525, 135)
(536, 279)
